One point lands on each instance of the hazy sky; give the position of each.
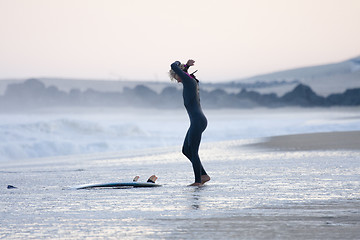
(138, 39)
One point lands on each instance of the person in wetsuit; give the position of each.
(198, 121)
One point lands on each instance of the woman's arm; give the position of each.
(176, 68)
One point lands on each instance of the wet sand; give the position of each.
(313, 141)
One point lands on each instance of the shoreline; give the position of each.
(347, 140)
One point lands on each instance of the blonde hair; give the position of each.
(172, 74)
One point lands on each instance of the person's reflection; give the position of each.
(196, 198)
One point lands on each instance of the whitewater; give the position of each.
(55, 133)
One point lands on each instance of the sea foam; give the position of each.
(46, 135)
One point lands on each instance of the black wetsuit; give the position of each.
(198, 121)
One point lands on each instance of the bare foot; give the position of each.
(195, 184)
(205, 178)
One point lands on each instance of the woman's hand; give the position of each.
(190, 62)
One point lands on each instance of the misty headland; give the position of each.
(335, 84)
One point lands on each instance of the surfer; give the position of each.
(198, 121)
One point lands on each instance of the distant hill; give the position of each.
(323, 79)
(66, 85)
(34, 94)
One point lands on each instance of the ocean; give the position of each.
(73, 132)
(254, 193)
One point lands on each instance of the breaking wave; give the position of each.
(45, 135)
(66, 136)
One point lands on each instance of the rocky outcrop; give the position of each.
(33, 94)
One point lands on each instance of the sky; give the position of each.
(139, 39)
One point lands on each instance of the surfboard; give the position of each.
(133, 184)
(118, 185)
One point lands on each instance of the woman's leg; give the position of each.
(191, 151)
(186, 150)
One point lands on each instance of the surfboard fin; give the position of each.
(152, 179)
(136, 178)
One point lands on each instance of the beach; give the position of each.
(314, 141)
(271, 187)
